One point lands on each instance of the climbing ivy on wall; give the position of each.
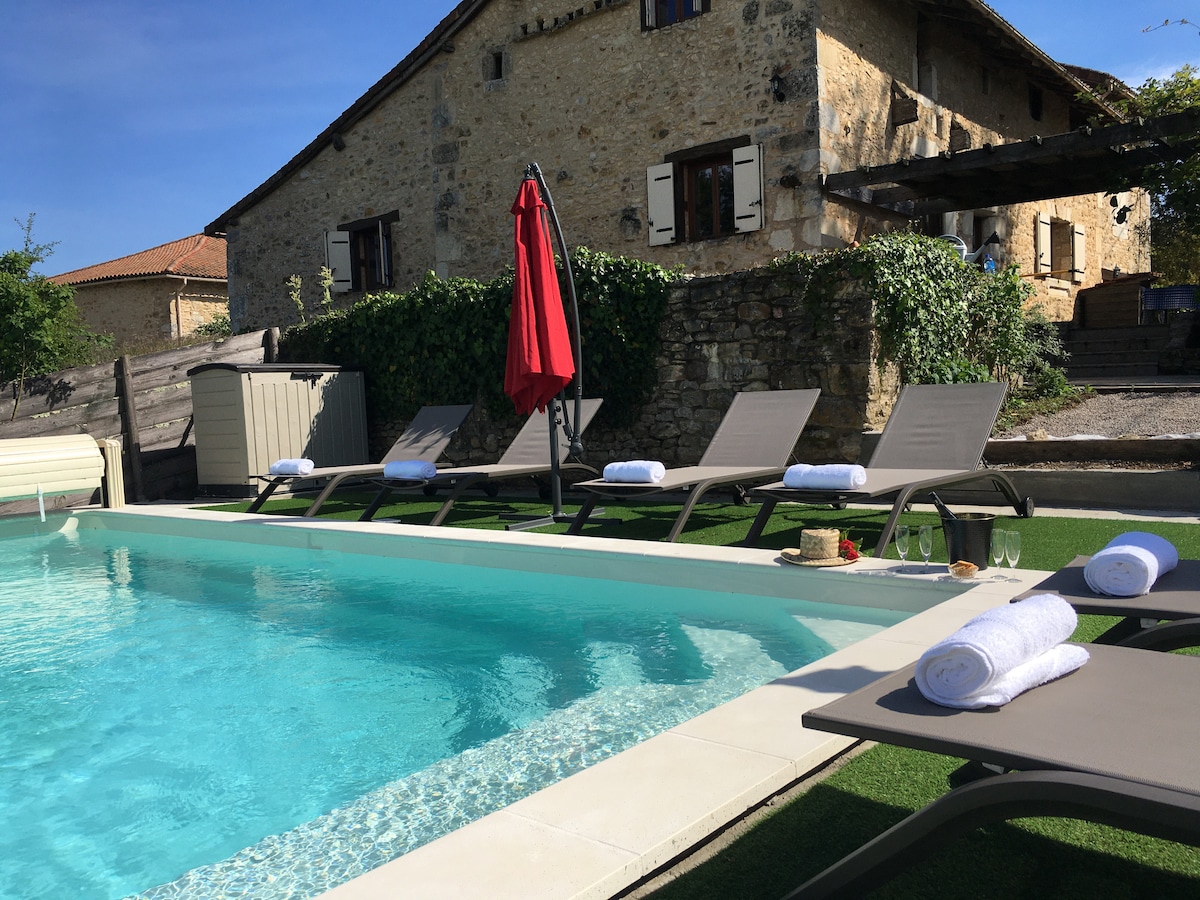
(445, 340)
(938, 318)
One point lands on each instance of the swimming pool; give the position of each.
(587, 668)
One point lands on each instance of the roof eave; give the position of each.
(432, 44)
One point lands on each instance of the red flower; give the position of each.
(848, 549)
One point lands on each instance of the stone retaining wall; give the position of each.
(723, 334)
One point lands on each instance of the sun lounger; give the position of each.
(425, 438)
(527, 455)
(934, 438)
(1077, 745)
(1174, 597)
(752, 444)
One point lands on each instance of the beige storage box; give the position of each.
(246, 417)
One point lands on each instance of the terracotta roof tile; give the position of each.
(198, 256)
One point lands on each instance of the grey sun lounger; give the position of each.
(1174, 597)
(934, 438)
(527, 455)
(752, 444)
(425, 438)
(1076, 744)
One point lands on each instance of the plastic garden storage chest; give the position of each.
(248, 416)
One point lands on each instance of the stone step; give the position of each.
(1115, 358)
(1112, 370)
(1084, 347)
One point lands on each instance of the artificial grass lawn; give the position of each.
(1024, 858)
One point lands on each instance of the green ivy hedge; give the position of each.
(939, 318)
(445, 340)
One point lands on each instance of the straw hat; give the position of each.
(818, 547)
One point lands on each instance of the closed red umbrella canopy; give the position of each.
(540, 363)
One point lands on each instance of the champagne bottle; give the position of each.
(941, 507)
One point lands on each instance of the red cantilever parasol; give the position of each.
(540, 362)
(542, 358)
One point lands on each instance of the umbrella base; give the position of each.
(522, 522)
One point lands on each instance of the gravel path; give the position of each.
(1117, 415)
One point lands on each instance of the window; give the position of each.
(1035, 103)
(708, 187)
(359, 254)
(661, 13)
(706, 192)
(924, 69)
(1059, 247)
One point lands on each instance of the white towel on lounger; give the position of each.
(292, 467)
(410, 470)
(830, 477)
(1130, 564)
(635, 471)
(1001, 653)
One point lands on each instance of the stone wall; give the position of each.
(723, 334)
(595, 100)
(966, 97)
(150, 309)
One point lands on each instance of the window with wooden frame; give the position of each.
(661, 13)
(359, 254)
(706, 192)
(1059, 249)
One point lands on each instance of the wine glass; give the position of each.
(925, 542)
(998, 536)
(1012, 550)
(902, 546)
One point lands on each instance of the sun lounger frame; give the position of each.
(425, 438)
(752, 444)
(1062, 739)
(1175, 596)
(527, 455)
(934, 438)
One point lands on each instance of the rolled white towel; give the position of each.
(831, 477)
(635, 471)
(1054, 663)
(410, 470)
(993, 656)
(1130, 564)
(292, 467)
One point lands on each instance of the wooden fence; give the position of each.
(145, 402)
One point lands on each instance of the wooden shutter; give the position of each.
(338, 260)
(660, 203)
(385, 254)
(1041, 243)
(1078, 253)
(747, 188)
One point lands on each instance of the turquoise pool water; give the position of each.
(201, 718)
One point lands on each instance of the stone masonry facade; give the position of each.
(596, 100)
(150, 309)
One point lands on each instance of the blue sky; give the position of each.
(131, 123)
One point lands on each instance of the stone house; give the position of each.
(163, 293)
(705, 134)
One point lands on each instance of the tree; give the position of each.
(43, 330)
(1174, 187)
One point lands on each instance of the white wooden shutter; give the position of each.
(1041, 243)
(385, 254)
(337, 259)
(747, 188)
(1078, 253)
(660, 203)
